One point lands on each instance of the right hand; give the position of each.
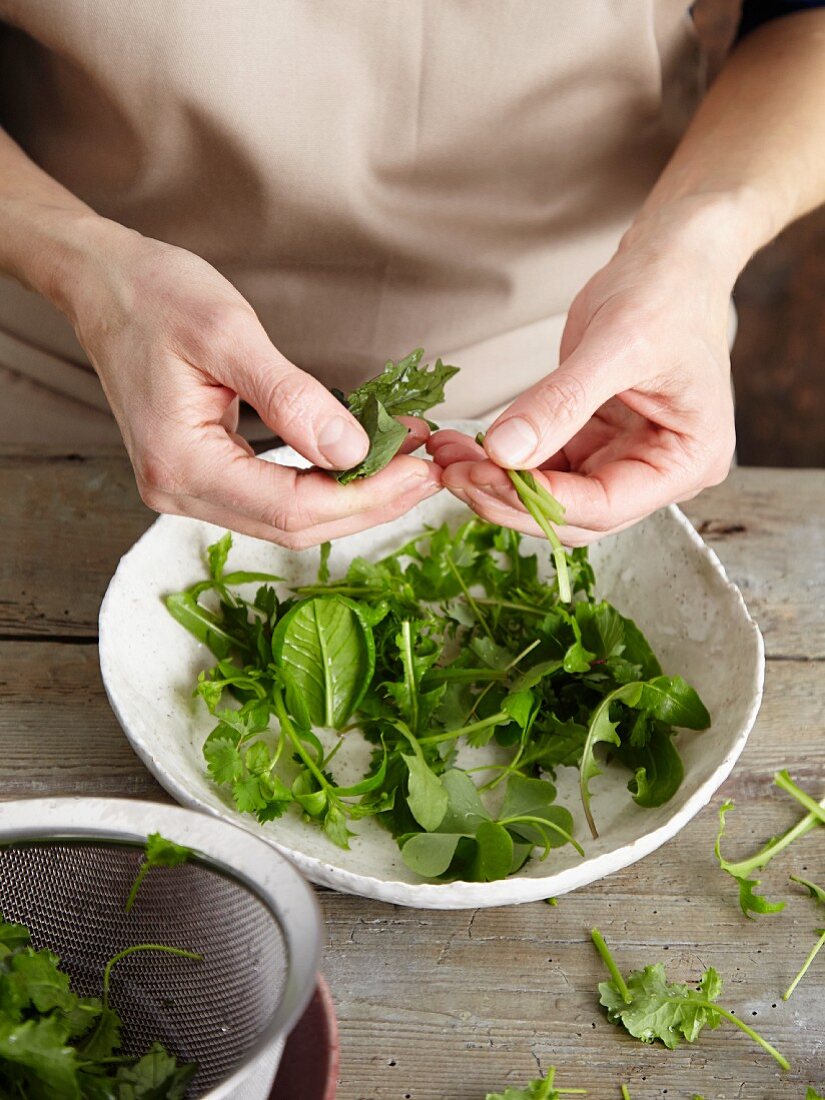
(175, 347)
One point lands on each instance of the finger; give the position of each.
(218, 471)
(419, 433)
(301, 540)
(449, 446)
(494, 510)
(613, 496)
(618, 493)
(296, 406)
(547, 416)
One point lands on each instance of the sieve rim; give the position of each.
(219, 846)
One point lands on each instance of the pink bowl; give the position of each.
(309, 1063)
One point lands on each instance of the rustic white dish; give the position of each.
(659, 572)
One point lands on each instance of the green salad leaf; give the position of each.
(404, 388)
(651, 1008)
(57, 1044)
(540, 1089)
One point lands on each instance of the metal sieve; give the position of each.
(66, 866)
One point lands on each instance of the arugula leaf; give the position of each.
(749, 900)
(651, 1008)
(668, 698)
(160, 852)
(402, 389)
(540, 1089)
(812, 1094)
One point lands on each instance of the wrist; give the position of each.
(720, 231)
(71, 270)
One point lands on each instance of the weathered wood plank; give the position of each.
(73, 519)
(68, 520)
(450, 1005)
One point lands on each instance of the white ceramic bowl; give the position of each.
(659, 572)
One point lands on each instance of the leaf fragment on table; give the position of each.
(540, 1089)
(651, 1008)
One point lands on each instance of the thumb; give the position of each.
(297, 407)
(549, 414)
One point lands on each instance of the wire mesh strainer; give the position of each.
(66, 866)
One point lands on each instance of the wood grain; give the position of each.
(448, 1006)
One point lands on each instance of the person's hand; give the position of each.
(175, 346)
(639, 413)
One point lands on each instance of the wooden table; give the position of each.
(446, 1006)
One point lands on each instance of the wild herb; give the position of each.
(742, 870)
(540, 1089)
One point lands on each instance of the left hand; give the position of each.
(639, 413)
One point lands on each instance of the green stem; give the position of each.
(783, 780)
(813, 954)
(462, 675)
(757, 1038)
(512, 605)
(532, 502)
(469, 598)
(473, 727)
(610, 963)
(530, 819)
(409, 671)
(143, 871)
(626, 1093)
(115, 959)
(744, 868)
(298, 745)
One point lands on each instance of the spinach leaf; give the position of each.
(327, 649)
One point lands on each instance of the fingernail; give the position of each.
(340, 442)
(512, 441)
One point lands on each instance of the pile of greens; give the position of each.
(454, 639)
(54, 1043)
(402, 389)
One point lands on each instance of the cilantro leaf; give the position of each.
(155, 1076)
(160, 852)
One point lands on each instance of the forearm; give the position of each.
(47, 234)
(751, 161)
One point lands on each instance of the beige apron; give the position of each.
(371, 174)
